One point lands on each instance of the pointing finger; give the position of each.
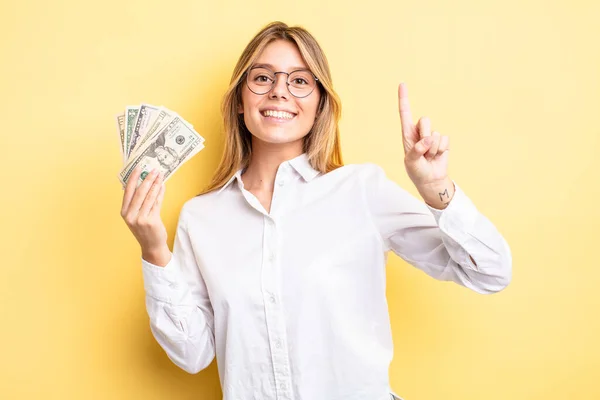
(405, 114)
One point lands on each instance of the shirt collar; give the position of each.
(299, 163)
(303, 167)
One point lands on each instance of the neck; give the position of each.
(265, 159)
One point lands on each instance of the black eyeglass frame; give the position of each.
(286, 81)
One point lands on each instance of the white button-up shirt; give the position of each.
(292, 302)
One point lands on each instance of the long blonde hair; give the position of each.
(321, 144)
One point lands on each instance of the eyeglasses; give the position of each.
(300, 83)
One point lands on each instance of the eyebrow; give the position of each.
(272, 67)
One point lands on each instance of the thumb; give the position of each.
(419, 149)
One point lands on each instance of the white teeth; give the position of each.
(278, 114)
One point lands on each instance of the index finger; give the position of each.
(404, 108)
(130, 187)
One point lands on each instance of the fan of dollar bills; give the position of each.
(155, 137)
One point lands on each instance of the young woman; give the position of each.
(278, 267)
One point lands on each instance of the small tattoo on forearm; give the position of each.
(445, 192)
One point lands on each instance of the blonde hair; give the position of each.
(321, 144)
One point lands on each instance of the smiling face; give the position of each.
(277, 117)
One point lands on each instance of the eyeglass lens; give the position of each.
(300, 83)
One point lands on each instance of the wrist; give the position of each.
(157, 256)
(438, 194)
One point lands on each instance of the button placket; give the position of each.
(280, 190)
(274, 313)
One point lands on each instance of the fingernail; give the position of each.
(427, 140)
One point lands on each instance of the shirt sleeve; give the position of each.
(439, 242)
(177, 302)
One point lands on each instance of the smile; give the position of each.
(280, 115)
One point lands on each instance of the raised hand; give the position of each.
(425, 152)
(425, 156)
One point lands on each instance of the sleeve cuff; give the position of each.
(458, 218)
(162, 283)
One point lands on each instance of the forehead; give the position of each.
(281, 55)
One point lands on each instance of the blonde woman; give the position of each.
(278, 267)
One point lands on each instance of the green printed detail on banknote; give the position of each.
(131, 113)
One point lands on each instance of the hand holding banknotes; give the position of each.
(141, 212)
(155, 142)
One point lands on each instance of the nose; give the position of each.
(280, 86)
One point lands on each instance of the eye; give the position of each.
(302, 78)
(300, 81)
(262, 78)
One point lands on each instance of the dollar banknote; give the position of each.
(158, 122)
(131, 114)
(141, 124)
(121, 131)
(155, 137)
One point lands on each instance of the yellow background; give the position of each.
(514, 84)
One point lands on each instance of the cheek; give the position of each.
(311, 107)
(249, 101)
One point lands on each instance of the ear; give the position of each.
(240, 108)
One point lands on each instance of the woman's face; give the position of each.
(280, 55)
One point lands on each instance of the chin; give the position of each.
(280, 138)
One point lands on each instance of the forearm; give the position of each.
(181, 323)
(184, 334)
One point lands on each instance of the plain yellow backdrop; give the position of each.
(514, 84)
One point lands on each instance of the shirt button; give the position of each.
(272, 299)
(271, 257)
(278, 343)
(281, 183)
